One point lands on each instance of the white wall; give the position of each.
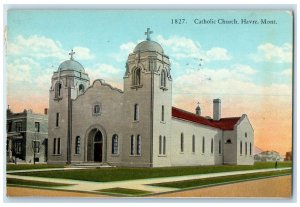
(187, 157)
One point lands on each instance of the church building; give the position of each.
(138, 126)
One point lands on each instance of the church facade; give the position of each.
(138, 127)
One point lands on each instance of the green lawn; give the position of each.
(117, 174)
(221, 180)
(125, 191)
(30, 166)
(13, 181)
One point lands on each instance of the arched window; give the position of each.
(136, 77)
(160, 145)
(241, 148)
(164, 145)
(163, 78)
(81, 89)
(57, 90)
(132, 145)
(203, 145)
(138, 145)
(246, 148)
(220, 149)
(193, 143)
(162, 113)
(114, 144)
(136, 112)
(250, 148)
(181, 142)
(212, 146)
(77, 145)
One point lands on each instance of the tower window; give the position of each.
(164, 145)
(181, 142)
(132, 145)
(54, 146)
(58, 146)
(246, 134)
(77, 145)
(246, 148)
(162, 113)
(250, 148)
(136, 77)
(57, 90)
(81, 89)
(163, 78)
(115, 144)
(136, 112)
(57, 120)
(138, 145)
(160, 145)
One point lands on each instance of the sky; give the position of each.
(248, 66)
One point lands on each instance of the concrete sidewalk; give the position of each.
(140, 184)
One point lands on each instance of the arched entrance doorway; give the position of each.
(98, 145)
(95, 146)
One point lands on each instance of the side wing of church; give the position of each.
(138, 127)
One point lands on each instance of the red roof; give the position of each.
(224, 123)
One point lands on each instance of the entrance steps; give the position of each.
(91, 165)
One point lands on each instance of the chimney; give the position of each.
(198, 110)
(45, 111)
(217, 109)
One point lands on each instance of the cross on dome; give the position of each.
(71, 54)
(148, 34)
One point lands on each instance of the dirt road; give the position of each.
(25, 192)
(271, 187)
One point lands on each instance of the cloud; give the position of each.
(286, 72)
(107, 72)
(124, 50)
(21, 70)
(272, 53)
(226, 81)
(244, 69)
(83, 53)
(182, 48)
(39, 47)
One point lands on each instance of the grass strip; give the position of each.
(122, 173)
(10, 167)
(220, 180)
(124, 191)
(14, 181)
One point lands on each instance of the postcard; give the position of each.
(149, 103)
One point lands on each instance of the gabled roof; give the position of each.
(224, 123)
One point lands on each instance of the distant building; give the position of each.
(288, 156)
(26, 132)
(268, 156)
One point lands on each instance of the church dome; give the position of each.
(71, 65)
(148, 45)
